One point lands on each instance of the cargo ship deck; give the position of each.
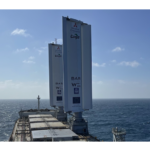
(45, 127)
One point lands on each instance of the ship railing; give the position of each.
(118, 131)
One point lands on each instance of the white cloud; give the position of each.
(22, 50)
(59, 41)
(40, 52)
(121, 81)
(117, 49)
(99, 82)
(141, 58)
(103, 65)
(41, 49)
(31, 57)
(131, 64)
(17, 89)
(98, 65)
(20, 32)
(9, 83)
(121, 89)
(95, 64)
(28, 62)
(113, 61)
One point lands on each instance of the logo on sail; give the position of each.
(75, 25)
(58, 55)
(76, 36)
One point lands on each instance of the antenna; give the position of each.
(55, 40)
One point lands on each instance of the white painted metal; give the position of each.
(40, 116)
(38, 102)
(72, 65)
(76, 65)
(38, 120)
(55, 134)
(86, 66)
(55, 75)
(44, 125)
(118, 134)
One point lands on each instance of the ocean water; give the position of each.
(130, 114)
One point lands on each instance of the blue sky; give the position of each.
(120, 51)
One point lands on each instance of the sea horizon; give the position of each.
(92, 99)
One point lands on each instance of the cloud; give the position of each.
(121, 81)
(17, 89)
(41, 49)
(31, 57)
(141, 58)
(59, 41)
(131, 64)
(122, 89)
(20, 32)
(22, 50)
(9, 83)
(117, 49)
(98, 65)
(103, 65)
(113, 61)
(40, 52)
(95, 64)
(99, 82)
(28, 62)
